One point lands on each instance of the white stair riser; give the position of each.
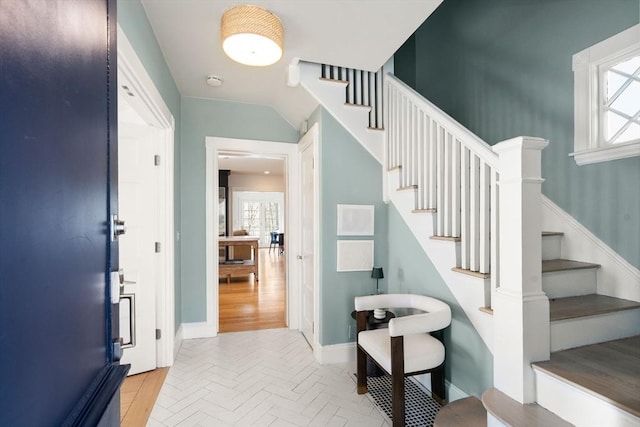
(568, 283)
(578, 407)
(551, 247)
(581, 331)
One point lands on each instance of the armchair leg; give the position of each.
(397, 381)
(361, 363)
(437, 384)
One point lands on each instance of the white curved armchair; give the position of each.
(406, 347)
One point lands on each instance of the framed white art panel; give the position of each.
(355, 220)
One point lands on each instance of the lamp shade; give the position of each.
(252, 35)
(377, 273)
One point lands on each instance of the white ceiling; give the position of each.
(251, 164)
(360, 34)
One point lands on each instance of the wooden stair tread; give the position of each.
(325, 79)
(446, 238)
(408, 187)
(587, 305)
(467, 412)
(351, 104)
(471, 273)
(552, 233)
(552, 265)
(487, 310)
(375, 129)
(393, 168)
(431, 210)
(513, 413)
(609, 370)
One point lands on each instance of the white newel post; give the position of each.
(521, 308)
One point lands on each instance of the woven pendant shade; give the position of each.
(252, 36)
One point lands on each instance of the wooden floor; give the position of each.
(138, 395)
(610, 370)
(247, 305)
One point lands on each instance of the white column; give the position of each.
(521, 309)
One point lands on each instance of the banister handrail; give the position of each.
(465, 135)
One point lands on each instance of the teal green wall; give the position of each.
(469, 363)
(133, 21)
(202, 118)
(349, 175)
(503, 68)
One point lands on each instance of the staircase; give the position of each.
(444, 180)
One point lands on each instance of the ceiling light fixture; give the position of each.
(252, 36)
(267, 172)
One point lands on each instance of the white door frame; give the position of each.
(312, 137)
(289, 152)
(148, 102)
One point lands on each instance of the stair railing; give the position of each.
(364, 89)
(454, 171)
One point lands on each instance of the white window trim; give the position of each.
(588, 144)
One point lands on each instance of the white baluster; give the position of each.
(325, 71)
(372, 99)
(455, 189)
(379, 100)
(433, 168)
(465, 210)
(484, 218)
(475, 213)
(358, 87)
(440, 181)
(350, 96)
(426, 142)
(334, 72)
(446, 206)
(420, 160)
(365, 88)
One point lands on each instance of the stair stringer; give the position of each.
(331, 95)
(468, 291)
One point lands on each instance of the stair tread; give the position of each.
(325, 79)
(552, 233)
(514, 413)
(471, 273)
(408, 187)
(462, 413)
(446, 238)
(565, 264)
(609, 370)
(430, 210)
(587, 305)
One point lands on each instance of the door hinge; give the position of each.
(157, 246)
(156, 160)
(158, 334)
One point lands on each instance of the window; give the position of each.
(259, 213)
(607, 99)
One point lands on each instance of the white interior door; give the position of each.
(138, 206)
(307, 241)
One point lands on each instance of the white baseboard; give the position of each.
(336, 354)
(197, 330)
(177, 341)
(617, 277)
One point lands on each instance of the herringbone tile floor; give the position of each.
(259, 378)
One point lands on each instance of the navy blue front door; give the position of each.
(57, 163)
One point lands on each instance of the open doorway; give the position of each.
(251, 230)
(215, 146)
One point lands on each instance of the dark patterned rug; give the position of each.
(420, 408)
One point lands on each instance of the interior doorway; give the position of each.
(288, 153)
(251, 203)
